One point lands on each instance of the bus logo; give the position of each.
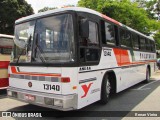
(30, 84)
(86, 89)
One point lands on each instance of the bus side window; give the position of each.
(109, 34)
(152, 46)
(93, 34)
(135, 41)
(6, 51)
(142, 43)
(125, 38)
(92, 54)
(89, 47)
(147, 45)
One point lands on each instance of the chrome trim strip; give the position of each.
(87, 80)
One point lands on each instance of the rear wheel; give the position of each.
(147, 75)
(105, 90)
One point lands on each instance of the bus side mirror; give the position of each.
(84, 28)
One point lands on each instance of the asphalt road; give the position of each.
(141, 97)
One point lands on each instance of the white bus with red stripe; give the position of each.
(72, 57)
(6, 45)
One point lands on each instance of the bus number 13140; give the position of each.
(51, 87)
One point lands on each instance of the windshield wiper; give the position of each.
(27, 47)
(40, 50)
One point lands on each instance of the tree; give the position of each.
(69, 5)
(10, 11)
(125, 12)
(49, 8)
(153, 8)
(46, 9)
(157, 39)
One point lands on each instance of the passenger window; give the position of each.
(135, 41)
(93, 34)
(125, 38)
(92, 54)
(89, 48)
(142, 43)
(152, 46)
(148, 46)
(6, 51)
(128, 39)
(110, 33)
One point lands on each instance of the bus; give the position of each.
(72, 57)
(6, 44)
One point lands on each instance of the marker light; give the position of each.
(65, 79)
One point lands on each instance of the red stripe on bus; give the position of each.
(4, 82)
(4, 64)
(14, 71)
(110, 19)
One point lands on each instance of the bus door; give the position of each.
(89, 55)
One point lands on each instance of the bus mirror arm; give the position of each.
(28, 43)
(84, 28)
(40, 50)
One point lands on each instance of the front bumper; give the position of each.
(54, 101)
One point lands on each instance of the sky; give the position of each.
(39, 4)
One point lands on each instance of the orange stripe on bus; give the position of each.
(14, 71)
(122, 57)
(125, 57)
(4, 64)
(117, 53)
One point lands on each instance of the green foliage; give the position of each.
(46, 9)
(92, 4)
(125, 12)
(153, 8)
(10, 11)
(157, 39)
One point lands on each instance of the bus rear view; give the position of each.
(43, 46)
(6, 45)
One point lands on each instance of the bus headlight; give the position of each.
(58, 102)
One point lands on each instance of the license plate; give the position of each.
(30, 97)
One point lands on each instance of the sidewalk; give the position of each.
(157, 75)
(150, 103)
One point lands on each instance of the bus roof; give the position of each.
(6, 36)
(80, 9)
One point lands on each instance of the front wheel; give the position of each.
(105, 90)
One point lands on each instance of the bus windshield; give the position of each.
(53, 39)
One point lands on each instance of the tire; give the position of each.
(105, 90)
(147, 75)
